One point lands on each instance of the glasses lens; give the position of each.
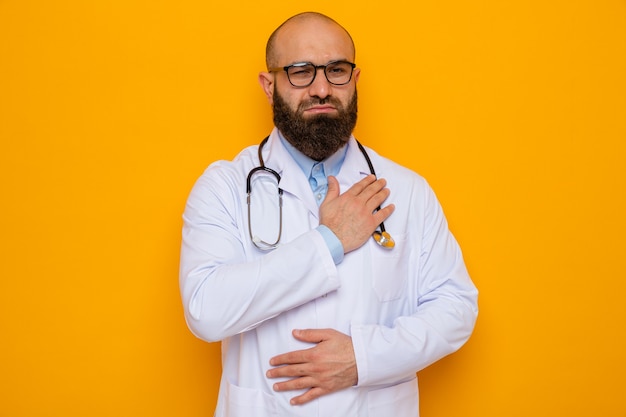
(301, 75)
(339, 72)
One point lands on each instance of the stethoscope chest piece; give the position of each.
(384, 239)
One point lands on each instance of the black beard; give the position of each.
(319, 136)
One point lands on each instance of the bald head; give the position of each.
(301, 22)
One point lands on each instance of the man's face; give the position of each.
(317, 119)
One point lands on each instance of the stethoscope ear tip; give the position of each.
(384, 239)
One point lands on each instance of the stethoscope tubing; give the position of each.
(373, 172)
(382, 238)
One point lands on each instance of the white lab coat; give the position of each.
(405, 308)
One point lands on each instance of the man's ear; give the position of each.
(357, 74)
(266, 80)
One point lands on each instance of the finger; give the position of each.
(300, 383)
(289, 371)
(297, 356)
(286, 371)
(373, 190)
(358, 187)
(333, 188)
(310, 395)
(300, 356)
(376, 199)
(311, 335)
(382, 214)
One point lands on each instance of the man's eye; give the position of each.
(301, 72)
(337, 70)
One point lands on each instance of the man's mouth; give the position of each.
(321, 109)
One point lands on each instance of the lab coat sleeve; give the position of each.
(442, 321)
(223, 291)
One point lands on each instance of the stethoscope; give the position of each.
(381, 236)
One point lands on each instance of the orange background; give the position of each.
(109, 110)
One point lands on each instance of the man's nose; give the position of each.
(320, 87)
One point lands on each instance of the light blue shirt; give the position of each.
(317, 173)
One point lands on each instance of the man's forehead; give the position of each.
(312, 39)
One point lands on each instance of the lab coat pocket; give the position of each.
(389, 269)
(400, 400)
(246, 402)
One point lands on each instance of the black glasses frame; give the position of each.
(317, 67)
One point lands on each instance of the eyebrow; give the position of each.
(311, 62)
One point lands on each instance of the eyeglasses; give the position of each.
(302, 74)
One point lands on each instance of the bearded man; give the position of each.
(316, 317)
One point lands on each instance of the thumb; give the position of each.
(333, 188)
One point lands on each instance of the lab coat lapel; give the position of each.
(293, 181)
(354, 167)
